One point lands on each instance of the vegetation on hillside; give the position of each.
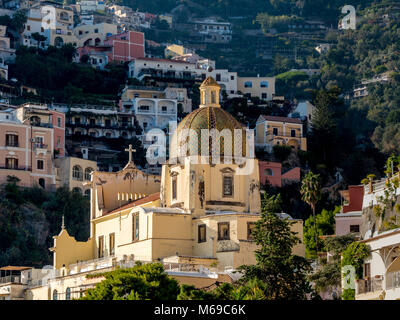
(30, 217)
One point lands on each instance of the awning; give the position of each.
(394, 266)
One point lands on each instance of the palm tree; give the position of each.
(311, 194)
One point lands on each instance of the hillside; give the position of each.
(29, 218)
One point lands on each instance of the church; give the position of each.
(199, 213)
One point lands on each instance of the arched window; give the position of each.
(42, 183)
(88, 171)
(264, 84)
(268, 172)
(87, 193)
(213, 97)
(68, 294)
(55, 294)
(77, 173)
(77, 189)
(248, 84)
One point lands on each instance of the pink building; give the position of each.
(350, 219)
(29, 136)
(272, 172)
(125, 46)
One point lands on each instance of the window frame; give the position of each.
(232, 192)
(228, 236)
(199, 238)
(249, 236)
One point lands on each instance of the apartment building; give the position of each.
(125, 46)
(153, 107)
(261, 87)
(271, 131)
(7, 54)
(74, 172)
(30, 136)
(213, 31)
(97, 121)
(350, 219)
(271, 173)
(163, 72)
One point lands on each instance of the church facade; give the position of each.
(199, 213)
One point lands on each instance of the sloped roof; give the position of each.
(135, 203)
(282, 119)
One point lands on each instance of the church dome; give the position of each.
(208, 116)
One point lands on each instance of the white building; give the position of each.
(213, 31)
(141, 68)
(304, 110)
(381, 272)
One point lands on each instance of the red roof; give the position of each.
(282, 119)
(149, 198)
(12, 268)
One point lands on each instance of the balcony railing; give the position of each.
(166, 75)
(10, 279)
(281, 134)
(12, 144)
(370, 285)
(40, 146)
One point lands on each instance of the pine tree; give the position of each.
(284, 275)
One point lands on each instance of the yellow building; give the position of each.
(73, 172)
(201, 216)
(261, 87)
(271, 131)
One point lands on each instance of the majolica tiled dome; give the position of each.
(207, 117)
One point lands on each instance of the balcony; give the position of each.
(281, 134)
(167, 75)
(10, 279)
(364, 286)
(12, 144)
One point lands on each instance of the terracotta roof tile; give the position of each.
(282, 119)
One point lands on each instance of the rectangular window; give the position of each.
(101, 247)
(11, 140)
(355, 228)
(164, 109)
(293, 133)
(202, 233)
(112, 244)
(135, 227)
(264, 96)
(40, 164)
(58, 122)
(11, 163)
(223, 231)
(275, 131)
(218, 77)
(174, 188)
(250, 229)
(227, 186)
(58, 141)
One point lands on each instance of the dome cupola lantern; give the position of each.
(209, 93)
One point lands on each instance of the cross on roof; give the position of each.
(130, 150)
